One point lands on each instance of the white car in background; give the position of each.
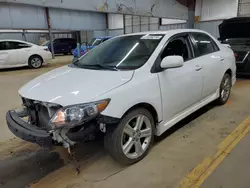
(130, 88)
(17, 53)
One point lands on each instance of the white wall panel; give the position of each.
(218, 9)
(244, 8)
(76, 20)
(115, 21)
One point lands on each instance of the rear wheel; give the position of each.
(225, 89)
(35, 62)
(131, 140)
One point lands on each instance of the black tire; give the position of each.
(37, 64)
(113, 138)
(223, 99)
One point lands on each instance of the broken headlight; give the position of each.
(74, 115)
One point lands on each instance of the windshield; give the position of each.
(126, 52)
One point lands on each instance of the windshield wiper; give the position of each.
(95, 66)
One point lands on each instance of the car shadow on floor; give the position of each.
(185, 121)
(21, 170)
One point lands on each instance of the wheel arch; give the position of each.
(229, 71)
(36, 55)
(148, 107)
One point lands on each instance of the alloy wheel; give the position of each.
(136, 136)
(36, 62)
(225, 89)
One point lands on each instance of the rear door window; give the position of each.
(2, 46)
(205, 44)
(16, 45)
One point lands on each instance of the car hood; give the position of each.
(235, 28)
(69, 85)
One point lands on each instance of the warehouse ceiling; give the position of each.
(157, 8)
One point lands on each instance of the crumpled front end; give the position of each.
(32, 123)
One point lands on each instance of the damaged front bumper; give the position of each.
(27, 132)
(47, 138)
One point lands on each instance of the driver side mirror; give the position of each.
(173, 61)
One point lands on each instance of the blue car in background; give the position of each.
(92, 44)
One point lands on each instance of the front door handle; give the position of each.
(198, 68)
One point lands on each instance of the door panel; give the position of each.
(210, 55)
(212, 72)
(181, 88)
(3, 57)
(3, 53)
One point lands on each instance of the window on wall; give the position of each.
(205, 44)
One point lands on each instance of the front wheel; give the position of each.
(131, 140)
(35, 62)
(225, 89)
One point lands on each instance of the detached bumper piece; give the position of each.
(26, 131)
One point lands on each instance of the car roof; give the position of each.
(173, 31)
(13, 40)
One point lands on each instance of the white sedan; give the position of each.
(16, 53)
(130, 88)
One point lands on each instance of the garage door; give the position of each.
(244, 8)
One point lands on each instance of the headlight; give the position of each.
(77, 114)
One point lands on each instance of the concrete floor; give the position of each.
(234, 170)
(170, 160)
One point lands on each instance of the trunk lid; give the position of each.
(235, 28)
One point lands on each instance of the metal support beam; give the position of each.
(148, 23)
(78, 39)
(124, 24)
(132, 23)
(191, 13)
(50, 33)
(140, 22)
(24, 36)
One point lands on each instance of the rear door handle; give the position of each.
(221, 59)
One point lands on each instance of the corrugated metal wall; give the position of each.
(135, 24)
(115, 32)
(14, 16)
(244, 8)
(173, 26)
